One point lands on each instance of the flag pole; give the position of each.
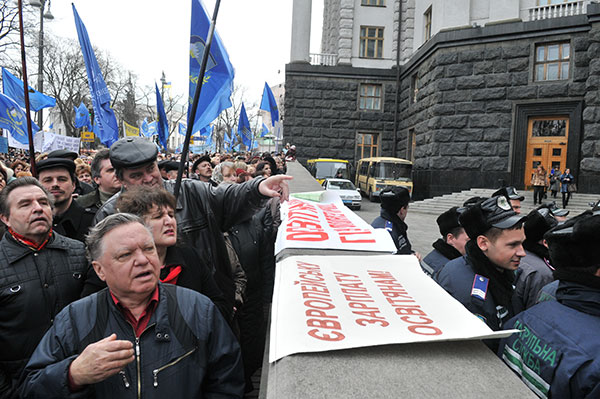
(192, 116)
(25, 89)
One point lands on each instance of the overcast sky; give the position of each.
(151, 36)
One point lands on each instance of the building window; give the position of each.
(411, 145)
(367, 145)
(552, 61)
(380, 3)
(427, 15)
(414, 89)
(370, 97)
(371, 42)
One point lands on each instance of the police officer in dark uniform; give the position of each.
(71, 220)
(482, 280)
(81, 187)
(394, 208)
(450, 246)
(556, 352)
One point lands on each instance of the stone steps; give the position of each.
(577, 204)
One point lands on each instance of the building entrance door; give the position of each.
(547, 139)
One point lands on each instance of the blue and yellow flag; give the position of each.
(182, 128)
(269, 104)
(163, 124)
(13, 119)
(105, 122)
(244, 128)
(264, 131)
(13, 88)
(218, 79)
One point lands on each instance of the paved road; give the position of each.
(422, 228)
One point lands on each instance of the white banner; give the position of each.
(326, 303)
(38, 141)
(328, 224)
(48, 141)
(65, 143)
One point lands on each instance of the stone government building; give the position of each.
(487, 90)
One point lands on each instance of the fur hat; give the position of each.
(538, 222)
(394, 198)
(574, 243)
(448, 221)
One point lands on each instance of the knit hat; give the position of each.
(394, 198)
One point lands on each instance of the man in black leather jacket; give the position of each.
(203, 212)
(41, 272)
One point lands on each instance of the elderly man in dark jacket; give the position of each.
(138, 337)
(40, 273)
(203, 212)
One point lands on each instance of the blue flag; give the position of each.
(206, 131)
(163, 124)
(269, 104)
(182, 128)
(13, 119)
(264, 131)
(82, 117)
(4, 145)
(148, 129)
(13, 88)
(105, 122)
(218, 80)
(244, 128)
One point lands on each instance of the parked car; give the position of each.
(347, 191)
(324, 168)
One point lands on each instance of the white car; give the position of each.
(347, 191)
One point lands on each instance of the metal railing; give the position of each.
(323, 59)
(558, 10)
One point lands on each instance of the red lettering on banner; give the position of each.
(356, 303)
(397, 297)
(338, 221)
(318, 303)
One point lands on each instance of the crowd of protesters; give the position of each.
(105, 226)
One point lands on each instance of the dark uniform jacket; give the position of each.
(397, 229)
(75, 222)
(203, 213)
(34, 287)
(557, 352)
(187, 350)
(441, 254)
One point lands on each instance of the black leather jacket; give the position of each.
(34, 287)
(203, 213)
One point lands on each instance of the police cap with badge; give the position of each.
(510, 193)
(131, 152)
(478, 218)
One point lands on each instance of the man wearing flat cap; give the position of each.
(57, 175)
(203, 212)
(394, 208)
(512, 195)
(450, 246)
(203, 170)
(535, 270)
(482, 280)
(556, 352)
(168, 169)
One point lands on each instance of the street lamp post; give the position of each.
(41, 4)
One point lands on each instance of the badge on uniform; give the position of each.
(389, 226)
(480, 286)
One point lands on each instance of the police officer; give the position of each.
(203, 212)
(513, 196)
(57, 175)
(535, 270)
(394, 208)
(556, 352)
(482, 280)
(450, 246)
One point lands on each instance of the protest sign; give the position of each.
(323, 303)
(328, 224)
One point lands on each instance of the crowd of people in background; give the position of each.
(106, 225)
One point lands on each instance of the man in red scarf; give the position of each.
(40, 273)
